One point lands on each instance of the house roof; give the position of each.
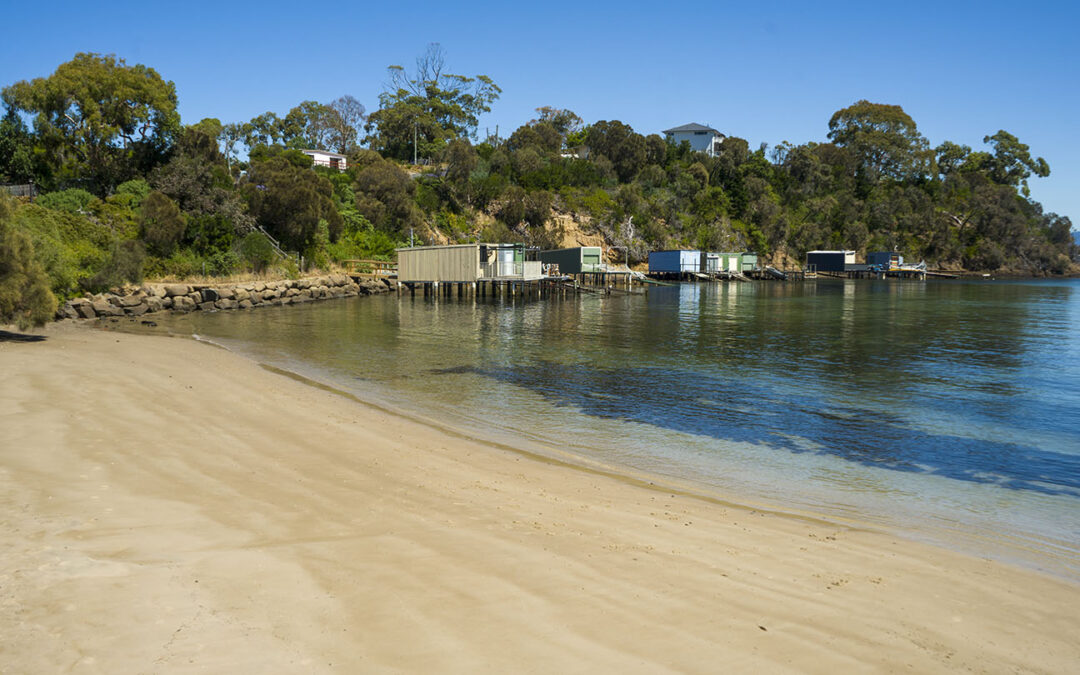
(693, 126)
(324, 152)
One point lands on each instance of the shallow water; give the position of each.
(949, 411)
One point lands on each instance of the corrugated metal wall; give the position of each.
(674, 261)
(444, 263)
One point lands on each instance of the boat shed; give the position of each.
(464, 263)
(710, 262)
(730, 262)
(576, 260)
(829, 261)
(749, 261)
(674, 262)
(887, 259)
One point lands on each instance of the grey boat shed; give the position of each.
(576, 260)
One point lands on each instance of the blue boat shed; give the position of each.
(674, 262)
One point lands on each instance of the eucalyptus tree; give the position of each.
(99, 120)
(421, 111)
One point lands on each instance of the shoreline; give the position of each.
(168, 504)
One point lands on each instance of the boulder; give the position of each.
(241, 294)
(259, 287)
(245, 304)
(226, 293)
(137, 310)
(173, 290)
(209, 295)
(225, 303)
(131, 300)
(167, 303)
(85, 310)
(207, 306)
(154, 303)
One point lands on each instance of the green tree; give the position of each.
(288, 201)
(100, 121)
(429, 105)
(160, 223)
(883, 138)
(385, 196)
(16, 150)
(621, 145)
(1012, 163)
(564, 121)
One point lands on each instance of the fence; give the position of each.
(27, 190)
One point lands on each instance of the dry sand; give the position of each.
(169, 507)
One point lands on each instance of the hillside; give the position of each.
(180, 200)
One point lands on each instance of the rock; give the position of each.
(183, 303)
(209, 295)
(195, 297)
(269, 294)
(259, 287)
(137, 310)
(226, 293)
(240, 295)
(85, 310)
(225, 303)
(167, 303)
(207, 306)
(173, 290)
(246, 304)
(154, 303)
(292, 292)
(130, 301)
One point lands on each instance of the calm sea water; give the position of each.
(949, 411)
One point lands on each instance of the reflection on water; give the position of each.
(956, 405)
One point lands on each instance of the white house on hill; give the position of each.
(324, 158)
(701, 138)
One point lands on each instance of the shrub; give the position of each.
(257, 252)
(72, 201)
(125, 265)
(25, 297)
(137, 189)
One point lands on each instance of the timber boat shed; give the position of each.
(466, 263)
(577, 260)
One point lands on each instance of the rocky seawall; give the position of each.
(150, 298)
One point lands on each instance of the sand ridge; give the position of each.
(171, 507)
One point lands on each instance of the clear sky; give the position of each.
(767, 72)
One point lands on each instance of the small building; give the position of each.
(700, 137)
(730, 262)
(326, 158)
(674, 262)
(464, 263)
(887, 259)
(576, 260)
(749, 261)
(710, 262)
(829, 261)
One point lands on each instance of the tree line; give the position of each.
(128, 190)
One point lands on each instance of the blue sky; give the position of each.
(767, 73)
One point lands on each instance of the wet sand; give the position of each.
(168, 506)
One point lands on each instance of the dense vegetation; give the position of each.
(127, 190)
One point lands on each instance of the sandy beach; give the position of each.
(168, 506)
